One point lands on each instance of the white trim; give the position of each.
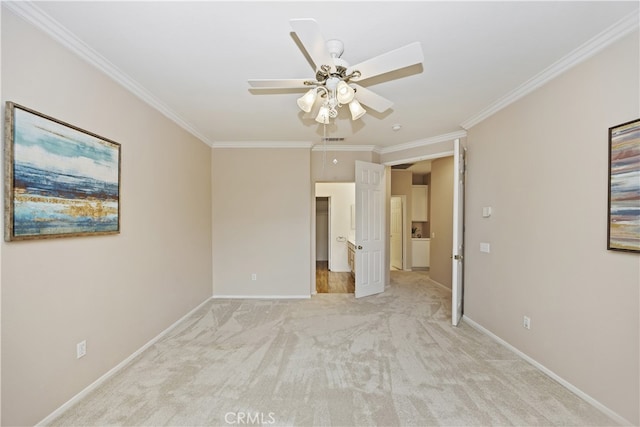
(549, 373)
(262, 144)
(34, 15)
(423, 142)
(440, 284)
(419, 158)
(97, 383)
(335, 147)
(261, 297)
(596, 44)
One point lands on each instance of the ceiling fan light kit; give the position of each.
(324, 114)
(356, 110)
(345, 93)
(333, 74)
(333, 99)
(306, 101)
(333, 83)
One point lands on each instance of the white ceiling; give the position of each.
(192, 60)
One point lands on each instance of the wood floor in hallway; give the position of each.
(332, 282)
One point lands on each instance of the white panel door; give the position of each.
(457, 259)
(370, 229)
(396, 232)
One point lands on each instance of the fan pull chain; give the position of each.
(324, 148)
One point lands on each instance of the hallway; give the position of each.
(331, 282)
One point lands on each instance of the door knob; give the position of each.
(359, 247)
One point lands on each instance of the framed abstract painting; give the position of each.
(60, 180)
(624, 187)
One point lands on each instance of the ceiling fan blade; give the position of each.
(278, 83)
(308, 31)
(371, 99)
(406, 56)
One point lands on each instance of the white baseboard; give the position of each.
(575, 390)
(75, 399)
(441, 285)
(261, 296)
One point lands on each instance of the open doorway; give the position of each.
(428, 186)
(443, 225)
(410, 182)
(358, 228)
(333, 232)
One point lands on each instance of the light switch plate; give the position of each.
(485, 247)
(486, 211)
(81, 349)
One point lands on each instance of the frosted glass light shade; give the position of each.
(323, 115)
(305, 102)
(356, 110)
(344, 93)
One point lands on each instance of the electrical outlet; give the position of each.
(81, 349)
(254, 276)
(526, 322)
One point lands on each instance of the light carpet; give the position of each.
(390, 360)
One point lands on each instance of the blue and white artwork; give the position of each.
(624, 187)
(66, 182)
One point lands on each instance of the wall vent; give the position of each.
(402, 166)
(333, 139)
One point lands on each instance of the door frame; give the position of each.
(415, 159)
(457, 256)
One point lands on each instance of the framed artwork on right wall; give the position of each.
(624, 187)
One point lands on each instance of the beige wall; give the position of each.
(541, 164)
(262, 216)
(117, 292)
(401, 185)
(441, 224)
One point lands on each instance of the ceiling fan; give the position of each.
(335, 80)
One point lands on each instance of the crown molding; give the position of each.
(334, 147)
(423, 142)
(262, 144)
(34, 15)
(615, 32)
(419, 158)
